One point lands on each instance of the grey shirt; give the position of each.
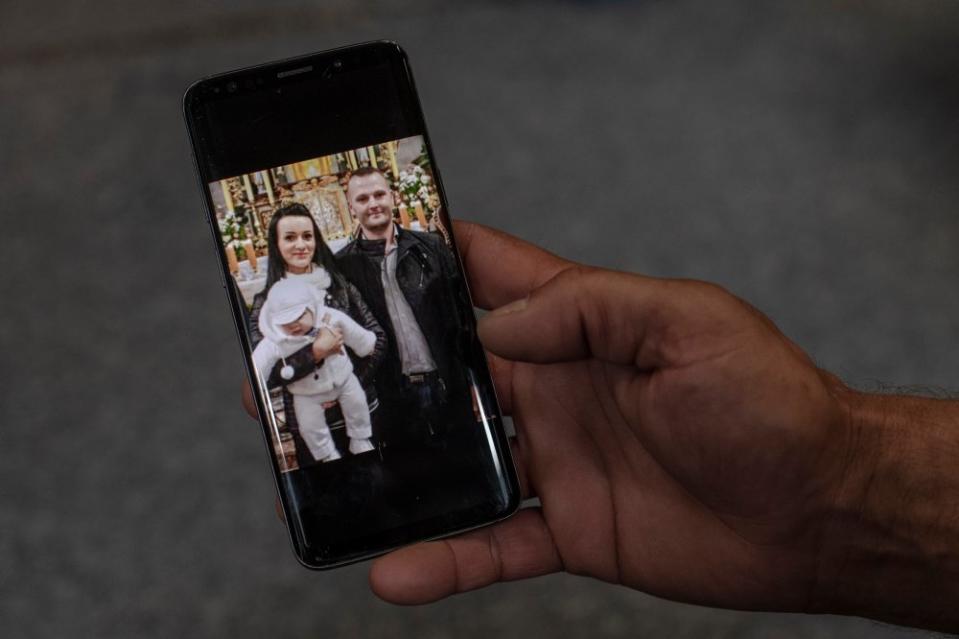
(415, 355)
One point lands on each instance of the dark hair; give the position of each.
(322, 256)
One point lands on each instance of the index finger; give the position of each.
(502, 268)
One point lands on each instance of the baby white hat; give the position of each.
(289, 299)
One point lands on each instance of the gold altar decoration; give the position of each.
(319, 183)
(391, 147)
(269, 187)
(225, 187)
(327, 203)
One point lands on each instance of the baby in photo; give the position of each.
(292, 317)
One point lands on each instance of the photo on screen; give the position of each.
(354, 304)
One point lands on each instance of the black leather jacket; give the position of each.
(429, 278)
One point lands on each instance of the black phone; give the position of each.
(349, 297)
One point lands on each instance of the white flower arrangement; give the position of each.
(416, 184)
(230, 228)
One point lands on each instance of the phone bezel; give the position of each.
(353, 58)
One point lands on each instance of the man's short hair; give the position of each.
(363, 171)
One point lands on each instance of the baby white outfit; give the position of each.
(334, 380)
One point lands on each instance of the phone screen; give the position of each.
(331, 226)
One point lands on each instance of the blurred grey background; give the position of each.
(804, 155)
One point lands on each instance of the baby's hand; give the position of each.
(330, 338)
(328, 341)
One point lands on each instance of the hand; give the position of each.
(678, 442)
(327, 342)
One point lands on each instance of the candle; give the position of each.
(363, 155)
(372, 153)
(248, 187)
(250, 254)
(404, 216)
(420, 215)
(231, 259)
(351, 157)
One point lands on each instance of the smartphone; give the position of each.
(336, 251)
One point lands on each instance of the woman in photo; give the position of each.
(297, 250)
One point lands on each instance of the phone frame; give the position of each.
(332, 59)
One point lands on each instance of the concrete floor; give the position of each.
(802, 154)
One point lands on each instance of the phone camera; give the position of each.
(332, 69)
(231, 86)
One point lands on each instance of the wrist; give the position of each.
(890, 546)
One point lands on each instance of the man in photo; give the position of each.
(411, 282)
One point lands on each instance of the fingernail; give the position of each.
(513, 307)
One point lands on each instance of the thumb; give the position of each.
(617, 317)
